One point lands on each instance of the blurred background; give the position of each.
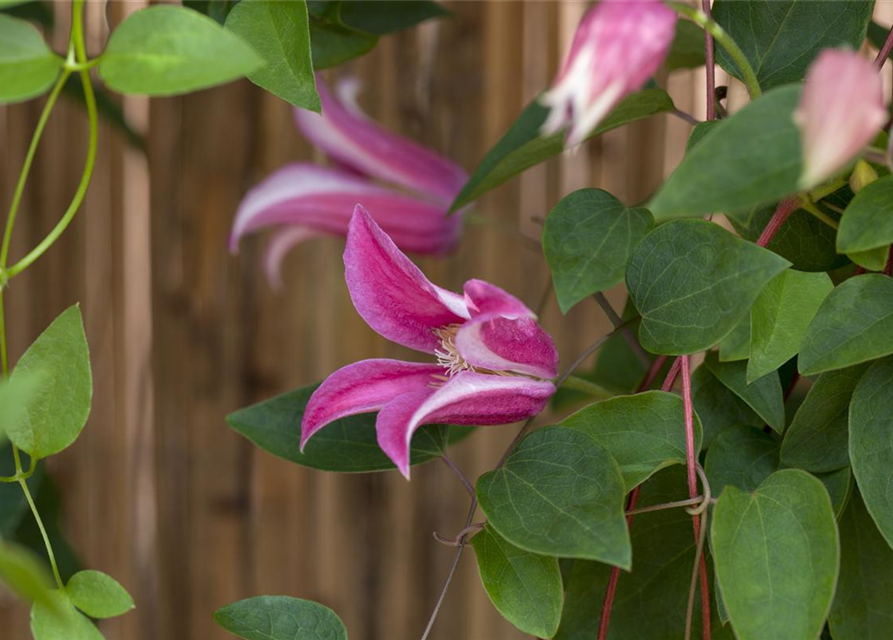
(158, 491)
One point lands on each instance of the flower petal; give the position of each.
(362, 387)
(391, 294)
(840, 111)
(283, 241)
(390, 426)
(484, 298)
(324, 199)
(467, 399)
(508, 344)
(345, 133)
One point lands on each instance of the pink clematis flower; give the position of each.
(618, 45)
(494, 361)
(303, 201)
(840, 111)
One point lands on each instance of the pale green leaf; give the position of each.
(867, 222)
(58, 411)
(98, 594)
(59, 620)
(167, 50)
(780, 316)
(27, 65)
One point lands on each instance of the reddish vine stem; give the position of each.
(691, 464)
(782, 212)
(710, 66)
(884, 53)
(888, 268)
(608, 602)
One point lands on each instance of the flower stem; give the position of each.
(712, 28)
(785, 209)
(43, 532)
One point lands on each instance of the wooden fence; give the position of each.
(158, 491)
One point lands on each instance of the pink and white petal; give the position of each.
(391, 426)
(467, 399)
(508, 344)
(324, 199)
(390, 293)
(281, 242)
(363, 387)
(484, 298)
(349, 136)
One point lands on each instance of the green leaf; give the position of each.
(853, 325)
(58, 619)
(717, 406)
(804, 240)
(348, 445)
(332, 43)
(736, 345)
(16, 395)
(280, 33)
(23, 573)
(871, 260)
(687, 50)
(169, 50)
(523, 147)
(216, 9)
(280, 618)
(839, 485)
(748, 160)
(560, 493)
(864, 598)
(388, 16)
(871, 442)
(741, 457)
(642, 432)
(588, 238)
(763, 395)
(867, 223)
(780, 316)
(525, 587)
(27, 65)
(98, 594)
(776, 555)
(58, 413)
(692, 282)
(770, 33)
(651, 599)
(817, 438)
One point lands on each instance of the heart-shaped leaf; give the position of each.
(560, 493)
(280, 618)
(27, 65)
(692, 282)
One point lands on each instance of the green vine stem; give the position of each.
(725, 40)
(75, 62)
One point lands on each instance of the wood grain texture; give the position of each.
(158, 491)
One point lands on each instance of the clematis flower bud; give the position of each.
(618, 45)
(840, 111)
